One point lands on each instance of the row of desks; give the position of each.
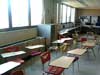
(9, 65)
(67, 61)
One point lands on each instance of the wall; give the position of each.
(17, 35)
(49, 8)
(88, 12)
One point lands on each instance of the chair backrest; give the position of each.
(11, 48)
(17, 72)
(75, 59)
(45, 57)
(60, 36)
(75, 36)
(83, 39)
(90, 33)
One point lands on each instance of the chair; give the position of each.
(98, 42)
(35, 53)
(91, 35)
(17, 72)
(75, 44)
(64, 47)
(76, 59)
(11, 49)
(89, 45)
(14, 49)
(60, 36)
(75, 36)
(82, 40)
(53, 48)
(45, 57)
(91, 48)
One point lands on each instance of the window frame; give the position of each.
(10, 19)
(60, 18)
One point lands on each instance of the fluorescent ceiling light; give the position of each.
(74, 3)
(82, 2)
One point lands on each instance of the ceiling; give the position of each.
(86, 4)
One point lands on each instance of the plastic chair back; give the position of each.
(83, 39)
(18, 72)
(12, 49)
(45, 57)
(64, 47)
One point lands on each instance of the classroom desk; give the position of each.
(89, 43)
(5, 67)
(9, 54)
(8, 66)
(65, 31)
(98, 39)
(63, 62)
(77, 51)
(62, 40)
(34, 46)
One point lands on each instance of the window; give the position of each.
(4, 23)
(64, 15)
(72, 14)
(36, 11)
(19, 11)
(68, 13)
(57, 20)
(61, 13)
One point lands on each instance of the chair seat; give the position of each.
(54, 70)
(35, 53)
(83, 39)
(19, 60)
(18, 72)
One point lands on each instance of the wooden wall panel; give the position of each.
(17, 35)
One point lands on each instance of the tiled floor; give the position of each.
(87, 65)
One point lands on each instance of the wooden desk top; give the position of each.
(34, 46)
(89, 43)
(62, 40)
(66, 39)
(8, 66)
(9, 54)
(63, 62)
(64, 31)
(77, 51)
(58, 41)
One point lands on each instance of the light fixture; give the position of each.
(74, 3)
(82, 2)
